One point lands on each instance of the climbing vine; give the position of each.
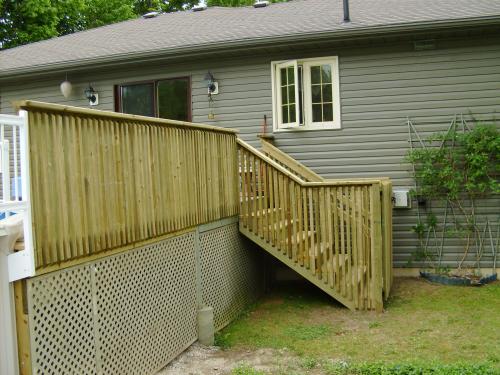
(454, 169)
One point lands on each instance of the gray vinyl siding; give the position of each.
(380, 87)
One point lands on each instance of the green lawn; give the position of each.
(423, 323)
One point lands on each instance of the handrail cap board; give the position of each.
(297, 179)
(58, 108)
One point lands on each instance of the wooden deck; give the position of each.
(103, 182)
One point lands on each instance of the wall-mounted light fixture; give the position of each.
(213, 89)
(91, 95)
(66, 88)
(212, 84)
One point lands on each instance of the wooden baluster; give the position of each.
(241, 175)
(354, 247)
(248, 176)
(302, 235)
(295, 233)
(254, 195)
(289, 218)
(330, 229)
(366, 203)
(317, 227)
(305, 213)
(361, 249)
(272, 237)
(336, 229)
(265, 202)
(312, 250)
(325, 232)
(282, 224)
(348, 243)
(259, 186)
(343, 252)
(278, 211)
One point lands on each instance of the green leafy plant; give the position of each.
(465, 162)
(245, 369)
(456, 167)
(342, 368)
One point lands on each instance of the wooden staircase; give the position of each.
(336, 234)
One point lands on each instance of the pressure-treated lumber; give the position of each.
(22, 328)
(337, 234)
(288, 162)
(101, 182)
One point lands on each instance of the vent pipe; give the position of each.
(346, 11)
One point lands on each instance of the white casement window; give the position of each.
(306, 94)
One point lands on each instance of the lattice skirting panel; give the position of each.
(230, 277)
(134, 312)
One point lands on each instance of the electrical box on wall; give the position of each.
(401, 198)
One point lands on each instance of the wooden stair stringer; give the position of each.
(302, 271)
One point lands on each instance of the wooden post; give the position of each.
(376, 247)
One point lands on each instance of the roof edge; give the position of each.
(256, 42)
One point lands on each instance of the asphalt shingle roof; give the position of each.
(219, 26)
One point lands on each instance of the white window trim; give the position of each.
(290, 125)
(276, 93)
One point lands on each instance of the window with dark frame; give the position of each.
(167, 98)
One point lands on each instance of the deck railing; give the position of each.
(102, 180)
(306, 174)
(331, 229)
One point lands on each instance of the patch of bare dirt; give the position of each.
(203, 360)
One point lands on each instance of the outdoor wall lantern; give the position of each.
(213, 89)
(212, 84)
(66, 88)
(91, 95)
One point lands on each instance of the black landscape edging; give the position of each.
(455, 280)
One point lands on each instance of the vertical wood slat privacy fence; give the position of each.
(102, 180)
(335, 233)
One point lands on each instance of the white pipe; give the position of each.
(16, 181)
(9, 363)
(5, 172)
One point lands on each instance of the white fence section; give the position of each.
(15, 193)
(15, 221)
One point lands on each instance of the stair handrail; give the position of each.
(300, 169)
(300, 181)
(318, 222)
(294, 165)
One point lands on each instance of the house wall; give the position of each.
(381, 86)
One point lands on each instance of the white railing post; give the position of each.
(9, 363)
(22, 263)
(4, 145)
